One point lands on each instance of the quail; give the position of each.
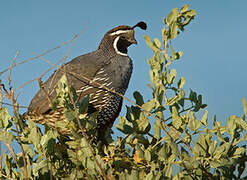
(109, 66)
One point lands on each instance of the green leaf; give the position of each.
(199, 98)
(140, 151)
(148, 106)
(174, 133)
(184, 8)
(150, 43)
(157, 129)
(184, 153)
(124, 125)
(190, 13)
(173, 52)
(204, 119)
(245, 106)
(181, 82)
(44, 140)
(239, 152)
(62, 124)
(222, 150)
(172, 101)
(143, 125)
(203, 106)
(241, 123)
(70, 115)
(220, 163)
(212, 147)
(175, 55)
(173, 32)
(84, 105)
(159, 58)
(85, 149)
(194, 124)
(27, 148)
(72, 144)
(157, 43)
(172, 17)
(176, 99)
(179, 54)
(176, 119)
(241, 168)
(147, 155)
(231, 125)
(62, 93)
(193, 96)
(73, 92)
(4, 118)
(174, 148)
(6, 137)
(134, 174)
(163, 153)
(201, 146)
(38, 166)
(171, 76)
(139, 98)
(34, 136)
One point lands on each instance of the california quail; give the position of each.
(109, 65)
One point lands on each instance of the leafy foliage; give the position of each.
(163, 138)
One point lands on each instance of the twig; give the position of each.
(11, 67)
(5, 91)
(167, 62)
(44, 53)
(12, 152)
(1, 95)
(26, 83)
(14, 105)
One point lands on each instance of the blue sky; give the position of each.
(214, 44)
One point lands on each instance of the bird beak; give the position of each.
(133, 41)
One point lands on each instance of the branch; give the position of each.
(14, 105)
(44, 53)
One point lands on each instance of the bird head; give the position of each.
(120, 38)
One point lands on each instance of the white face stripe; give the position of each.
(119, 32)
(115, 47)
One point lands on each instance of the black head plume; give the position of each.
(141, 25)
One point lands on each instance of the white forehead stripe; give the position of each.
(115, 47)
(119, 32)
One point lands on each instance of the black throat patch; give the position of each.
(122, 45)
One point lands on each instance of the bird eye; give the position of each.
(123, 37)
